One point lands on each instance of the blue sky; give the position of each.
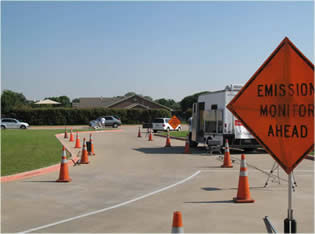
(158, 49)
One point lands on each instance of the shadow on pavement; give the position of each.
(201, 151)
(211, 188)
(218, 189)
(169, 150)
(162, 150)
(240, 151)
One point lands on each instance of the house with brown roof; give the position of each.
(130, 102)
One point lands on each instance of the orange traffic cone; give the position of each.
(243, 193)
(71, 136)
(77, 142)
(92, 146)
(177, 226)
(66, 134)
(139, 133)
(64, 172)
(168, 140)
(84, 156)
(227, 159)
(150, 135)
(187, 148)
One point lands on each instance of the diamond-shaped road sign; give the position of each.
(277, 105)
(174, 122)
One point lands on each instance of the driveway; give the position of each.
(134, 185)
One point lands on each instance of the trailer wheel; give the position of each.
(192, 144)
(249, 149)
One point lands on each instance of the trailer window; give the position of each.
(201, 106)
(210, 121)
(213, 121)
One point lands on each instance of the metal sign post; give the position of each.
(289, 222)
(270, 228)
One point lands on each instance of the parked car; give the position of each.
(113, 121)
(161, 124)
(13, 123)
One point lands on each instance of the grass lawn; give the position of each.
(25, 150)
(182, 134)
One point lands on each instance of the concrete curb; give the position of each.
(46, 170)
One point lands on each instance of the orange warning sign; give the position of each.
(174, 122)
(277, 105)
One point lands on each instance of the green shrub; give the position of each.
(71, 116)
(182, 116)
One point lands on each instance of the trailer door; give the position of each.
(213, 121)
(201, 130)
(194, 122)
(198, 122)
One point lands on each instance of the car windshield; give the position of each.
(158, 121)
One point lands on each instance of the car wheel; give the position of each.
(115, 125)
(2, 127)
(23, 127)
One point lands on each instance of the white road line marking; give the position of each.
(113, 207)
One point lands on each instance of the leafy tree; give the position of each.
(11, 99)
(187, 102)
(76, 100)
(148, 97)
(169, 103)
(130, 94)
(64, 100)
(133, 93)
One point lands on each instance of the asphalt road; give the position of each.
(134, 185)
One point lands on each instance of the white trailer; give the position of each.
(212, 122)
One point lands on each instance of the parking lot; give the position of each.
(135, 185)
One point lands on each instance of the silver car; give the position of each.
(13, 123)
(112, 121)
